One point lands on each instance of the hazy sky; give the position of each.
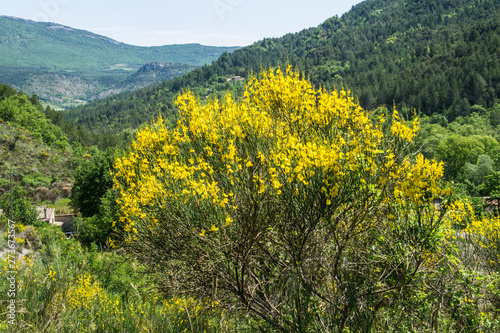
(161, 22)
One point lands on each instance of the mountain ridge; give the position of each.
(432, 56)
(56, 39)
(31, 53)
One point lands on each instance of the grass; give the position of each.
(34, 164)
(62, 206)
(61, 287)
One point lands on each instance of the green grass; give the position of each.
(61, 287)
(62, 206)
(33, 163)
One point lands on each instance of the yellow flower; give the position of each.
(283, 137)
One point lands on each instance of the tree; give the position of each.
(495, 116)
(457, 150)
(93, 196)
(491, 187)
(290, 204)
(97, 228)
(23, 211)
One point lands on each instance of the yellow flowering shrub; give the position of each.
(298, 132)
(85, 293)
(281, 182)
(481, 232)
(486, 232)
(459, 214)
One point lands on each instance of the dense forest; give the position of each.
(431, 56)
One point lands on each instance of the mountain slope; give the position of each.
(148, 74)
(67, 89)
(25, 43)
(431, 55)
(31, 146)
(67, 66)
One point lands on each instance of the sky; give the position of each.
(165, 22)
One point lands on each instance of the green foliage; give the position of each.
(495, 116)
(63, 287)
(410, 53)
(62, 206)
(478, 172)
(468, 146)
(23, 211)
(32, 146)
(92, 179)
(36, 180)
(457, 150)
(491, 186)
(97, 228)
(92, 195)
(33, 164)
(18, 109)
(86, 229)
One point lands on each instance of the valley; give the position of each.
(67, 67)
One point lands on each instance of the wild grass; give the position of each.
(61, 287)
(62, 206)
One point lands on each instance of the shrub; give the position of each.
(23, 211)
(290, 203)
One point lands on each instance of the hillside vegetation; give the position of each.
(51, 46)
(41, 148)
(32, 147)
(434, 56)
(342, 179)
(289, 210)
(66, 66)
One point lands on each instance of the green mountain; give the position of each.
(51, 46)
(32, 147)
(434, 56)
(67, 66)
(148, 74)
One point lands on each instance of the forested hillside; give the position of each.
(66, 67)
(51, 46)
(434, 56)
